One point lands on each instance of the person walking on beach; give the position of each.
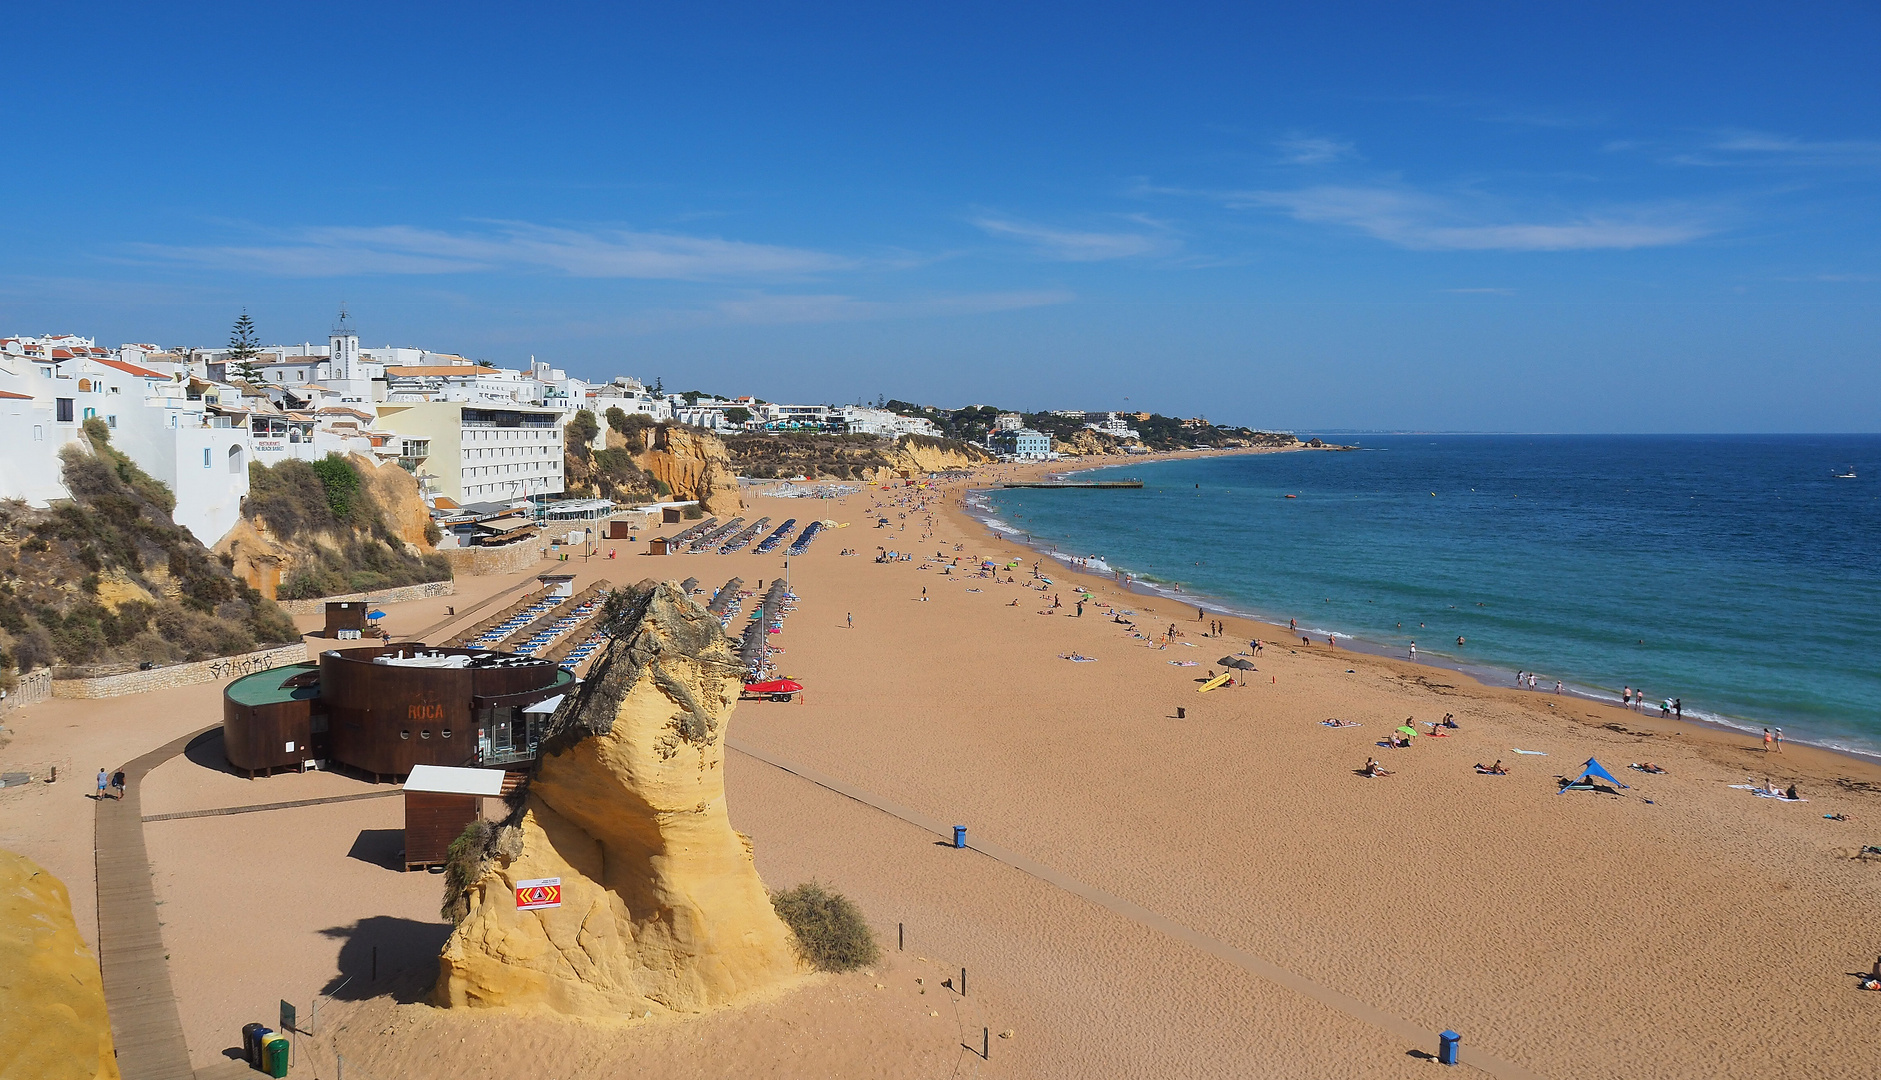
(850, 618)
(1413, 650)
(1678, 708)
(1779, 740)
(117, 783)
(1626, 697)
(104, 781)
(1766, 740)
(1557, 686)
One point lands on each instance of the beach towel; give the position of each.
(1762, 793)
(1330, 724)
(1537, 753)
(1077, 659)
(1186, 663)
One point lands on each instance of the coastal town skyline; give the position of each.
(1370, 218)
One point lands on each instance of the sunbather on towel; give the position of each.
(1646, 766)
(1372, 768)
(1498, 769)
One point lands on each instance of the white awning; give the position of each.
(449, 780)
(505, 525)
(546, 705)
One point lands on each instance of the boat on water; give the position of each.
(1849, 475)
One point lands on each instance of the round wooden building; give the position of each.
(384, 709)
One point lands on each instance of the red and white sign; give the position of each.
(538, 893)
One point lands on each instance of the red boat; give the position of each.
(776, 689)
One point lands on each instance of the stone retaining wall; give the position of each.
(33, 686)
(484, 561)
(318, 605)
(164, 678)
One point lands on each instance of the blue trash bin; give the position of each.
(960, 836)
(1448, 1044)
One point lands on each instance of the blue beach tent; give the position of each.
(1591, 768)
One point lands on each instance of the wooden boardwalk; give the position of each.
(144, 1021)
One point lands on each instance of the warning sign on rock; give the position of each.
(538, 893)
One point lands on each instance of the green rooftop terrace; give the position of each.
(270, 687)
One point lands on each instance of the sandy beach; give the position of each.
(1679, 927)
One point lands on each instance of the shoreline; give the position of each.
(1723, 729)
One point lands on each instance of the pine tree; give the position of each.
(243, 348)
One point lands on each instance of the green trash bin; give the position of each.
(274, 1055)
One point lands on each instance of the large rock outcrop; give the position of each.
(918, 455)
(692, 462)
(53, 1024)
(289, 534)
(661, 905)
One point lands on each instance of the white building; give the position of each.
(477, 452)
(1008, 421)
(859, 420)
(170, 425)
(1023, 444)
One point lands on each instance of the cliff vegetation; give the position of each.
(332, 526)
(644, 461)
(107, 578)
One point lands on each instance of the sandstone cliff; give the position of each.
(820, 456)
(661, 905)
(333, 526)
(1086, 442)
(915, 455)
(692, 462)
(53, 1024)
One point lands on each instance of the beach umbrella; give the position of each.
(375, 615)
(1239, 662)
(1408, 731)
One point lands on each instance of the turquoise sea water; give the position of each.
(1737, 573)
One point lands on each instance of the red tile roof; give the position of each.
(15, 397)
(133, 369)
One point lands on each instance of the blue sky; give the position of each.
(1462, 217)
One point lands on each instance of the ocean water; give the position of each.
(1734, 572)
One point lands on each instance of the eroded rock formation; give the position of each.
(53, 1024)
(918, 455)
(661, 905)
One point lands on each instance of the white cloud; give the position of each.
(1759, 149)
(1414, 220)
(772, 308)
(335, 251)
(1314, 150)
(1077, 246)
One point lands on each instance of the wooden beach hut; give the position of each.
(440, 800)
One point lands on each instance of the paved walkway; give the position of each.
(224, 811)
(1412, 1035)
(144, 1022)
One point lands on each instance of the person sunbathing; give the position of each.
(1498, 769)
(1647, 767)
(1372, 768)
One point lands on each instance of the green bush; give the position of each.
(831, 933)
(463, 865)
(692, 510)
(580, 432)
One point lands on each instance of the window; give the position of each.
(112, 419)
(205, 457)
(84, 386)
(39, 433)
(89, 413)
(235, 459)
(65, 410)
